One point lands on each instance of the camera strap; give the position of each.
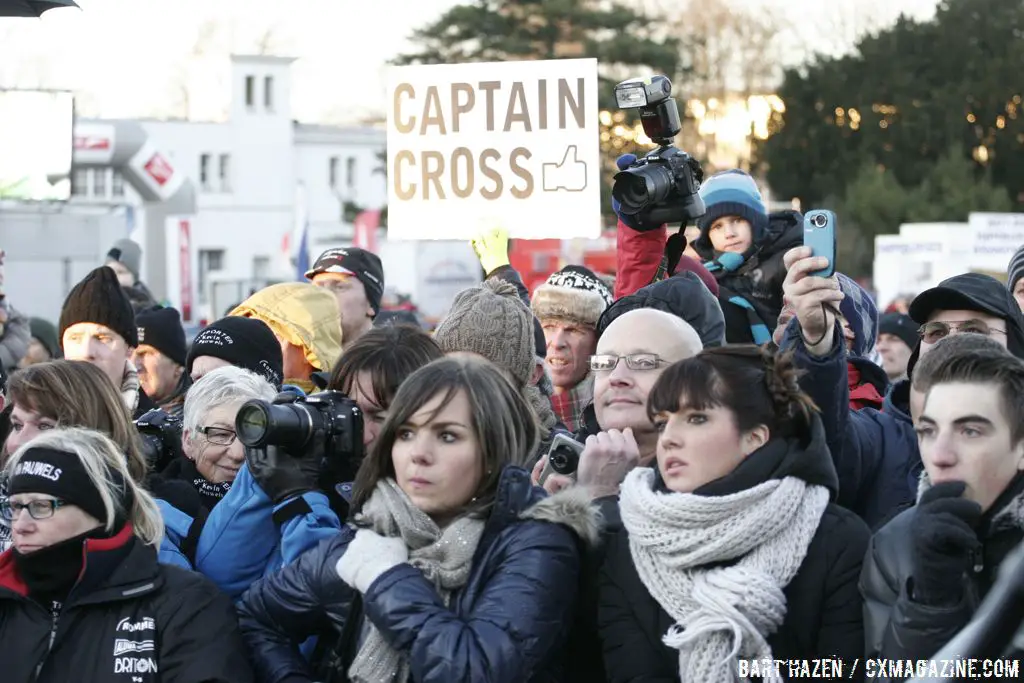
(190, 544)
(296, 507)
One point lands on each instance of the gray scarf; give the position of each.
(444, 557)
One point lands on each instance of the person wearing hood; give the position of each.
(858, 316)
(454, 568)
(306, 322)
(97, 325)
(44, 345)
(160, 358)
(731, 551)
(125, 259)
(876, 452)
(928, 570)
(82, 595)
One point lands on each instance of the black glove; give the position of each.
(944, 543)
(280, 475)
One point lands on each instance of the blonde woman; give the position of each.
(82, 596)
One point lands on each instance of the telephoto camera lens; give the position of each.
(260, 423)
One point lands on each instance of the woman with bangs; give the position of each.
(731, 550)
(453, 568)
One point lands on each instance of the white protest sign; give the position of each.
(510, 144)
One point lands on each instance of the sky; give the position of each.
(135, 58)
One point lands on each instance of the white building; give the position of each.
(257, 176)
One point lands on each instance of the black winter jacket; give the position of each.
(128, 619)
(896, 626)
(506, 625)
(824, 609)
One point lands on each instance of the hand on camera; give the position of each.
(607, 458)
(554, 482)
(624, 162)
(944, 543)
(812, 298)
(280, 475)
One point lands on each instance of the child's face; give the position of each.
(731, 234)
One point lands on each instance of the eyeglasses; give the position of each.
(37, 509)
(220, 436)
(933, 332)
(634, 361)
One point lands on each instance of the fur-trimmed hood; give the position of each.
(572, 508)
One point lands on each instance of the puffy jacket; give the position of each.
(247, 537)
(128, 618)
(823, 607)
(506, 625)
(895, 626)
(875, 452)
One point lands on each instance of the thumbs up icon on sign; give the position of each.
(569, 174)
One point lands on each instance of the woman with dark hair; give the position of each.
(731, 552)
(454, 567)
(372, 368)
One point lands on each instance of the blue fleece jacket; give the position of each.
(875, 452)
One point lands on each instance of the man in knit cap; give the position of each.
(1015, 277)
(897, 338)
(97, 325)
(356, 279)
(125, 259)
(160, 358)
(491, 321)
(248, 343)
(44, 345)
(568, 305)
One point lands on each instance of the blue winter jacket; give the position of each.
(875, 452)
(246, 537)
(508, 623)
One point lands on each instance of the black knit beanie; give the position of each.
(248, 343)
(99, 299)
(161, 328)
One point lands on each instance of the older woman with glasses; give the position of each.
(213, 453)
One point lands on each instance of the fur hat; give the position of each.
(573, 293)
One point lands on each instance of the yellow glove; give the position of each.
(491, 247)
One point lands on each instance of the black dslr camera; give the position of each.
(662, 186)
(329, 420)
(161, 438)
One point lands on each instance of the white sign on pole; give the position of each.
(997, 236)
(475, 146)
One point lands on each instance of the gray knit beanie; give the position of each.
(492, 321)
(128, 254)
(1015, 270)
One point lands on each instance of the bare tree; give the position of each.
(205, 43)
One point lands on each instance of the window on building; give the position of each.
(260, 268)
(268, 93)
(80, 182)
(210, 260)
(224, 172)
(250, 91)
(117, 184)
(204, 171)
(350, 172)
(332, 172)
(99, 183)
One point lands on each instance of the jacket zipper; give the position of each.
(54, 619)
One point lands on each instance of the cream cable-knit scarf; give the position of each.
(722, 613)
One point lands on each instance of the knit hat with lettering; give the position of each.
(247, 343)
(731, 193)
(99, 299)
(492, 321)
(60, 474)
(573, 293)
(161, 328)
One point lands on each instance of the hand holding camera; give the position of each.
(945, 543)
(607, 458)
(812, 297)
